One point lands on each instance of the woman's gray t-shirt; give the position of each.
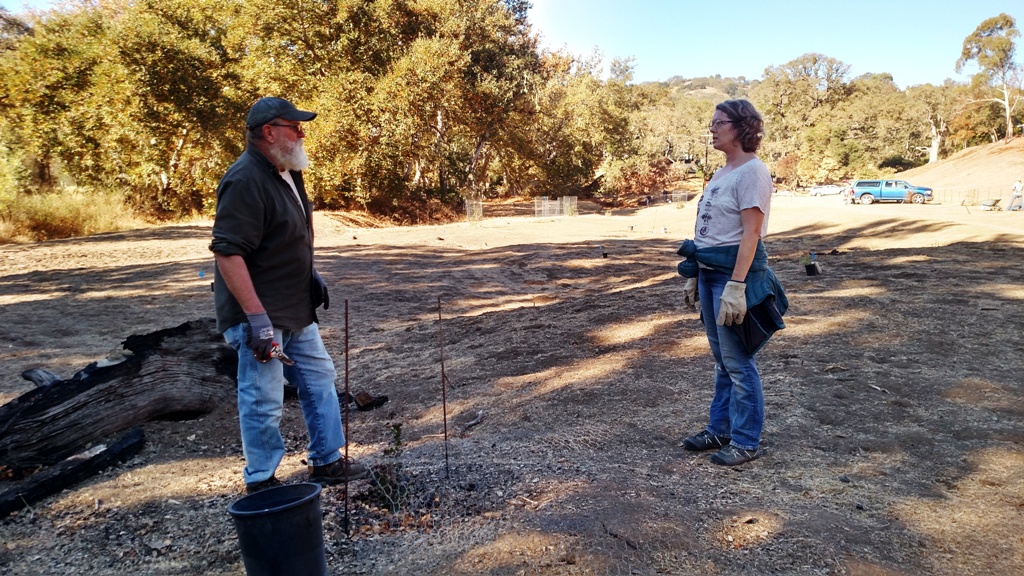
(718, 210)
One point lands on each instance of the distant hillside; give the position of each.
(989, 170)
(712, 88)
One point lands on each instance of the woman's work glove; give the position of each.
(732, 304)
(261, 336)
(690, 298)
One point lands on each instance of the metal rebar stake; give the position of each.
(345, 418)
(444, 386)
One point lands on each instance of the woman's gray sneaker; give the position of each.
(734, 455)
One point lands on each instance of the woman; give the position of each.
(727, 268)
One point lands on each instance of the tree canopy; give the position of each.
(991, 46)
(423, 103)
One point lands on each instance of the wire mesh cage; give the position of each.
(545, 206)
(474, 210)
(569, 207)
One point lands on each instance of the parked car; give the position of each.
(824, 190)
(871, 191)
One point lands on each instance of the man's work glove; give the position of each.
(261, 336)
(320, 291)
(690, 298)
(732, 304)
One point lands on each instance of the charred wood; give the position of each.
(177, 372)
(70, 472)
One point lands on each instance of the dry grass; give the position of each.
(65, 213)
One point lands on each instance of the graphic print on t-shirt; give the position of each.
(705, 213)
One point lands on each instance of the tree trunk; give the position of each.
(936, 141)
(1009, 112)
(173, 373)
(167, 176)
(442, 180)
(475, 189)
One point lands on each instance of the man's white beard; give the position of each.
(290, 156)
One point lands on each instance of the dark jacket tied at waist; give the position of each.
(766, 300)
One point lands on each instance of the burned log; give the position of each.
(178, 372)
(70, 472)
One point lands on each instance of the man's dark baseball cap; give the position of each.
(266, 109)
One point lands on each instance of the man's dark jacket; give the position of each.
(259, 219)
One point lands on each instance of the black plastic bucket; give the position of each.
(280, 531)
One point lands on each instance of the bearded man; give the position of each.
(266, 292)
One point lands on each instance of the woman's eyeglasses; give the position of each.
(716, 124)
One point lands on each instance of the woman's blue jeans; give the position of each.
(737, 410)
(261, 400)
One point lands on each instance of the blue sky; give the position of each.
(916, 41)
(16, 6)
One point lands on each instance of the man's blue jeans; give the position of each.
(261, 400)
(737, 410)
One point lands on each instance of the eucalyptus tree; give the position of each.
(937, 107)
(973, 125)
(991, 46)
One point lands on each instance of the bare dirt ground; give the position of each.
(894, 420)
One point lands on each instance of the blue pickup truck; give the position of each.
(871, 191)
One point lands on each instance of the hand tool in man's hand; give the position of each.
(277, 352)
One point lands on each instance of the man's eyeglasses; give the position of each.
(296, 127)
(716, 124)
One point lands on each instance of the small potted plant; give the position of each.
(810, 264)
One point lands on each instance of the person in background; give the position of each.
(727, 267)
(266, 292)
(1016, 202)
